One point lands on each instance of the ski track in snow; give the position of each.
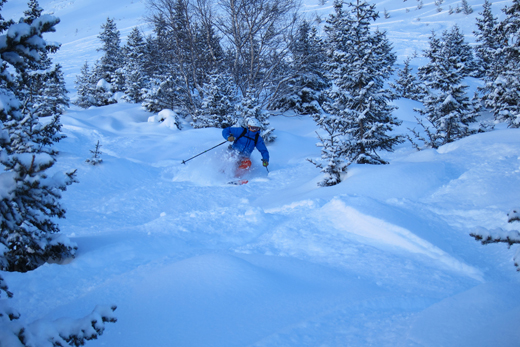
(383, 259)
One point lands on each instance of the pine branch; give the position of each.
(500, 235)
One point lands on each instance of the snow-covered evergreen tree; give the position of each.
(38, 87)
(33, 12)
(446, 106)
(166, 89)
(218, 105)
(466, 8)
(189, 48)
(96, 155)
(165, 92)
(28, 229)
(359, 63)
(332, 144)
(85, 88)
(49, 104)
(97, 86)
(503, 79)
(358, 116)
(52, 99)
(108, 73)
(407, 85)
(29, 197)
(209, 52)
(112, 58)
(135, 79)
(485, 36)
(464, 52)
(304, 90)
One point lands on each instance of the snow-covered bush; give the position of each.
(167, 118)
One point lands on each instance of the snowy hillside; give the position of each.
(382, 259)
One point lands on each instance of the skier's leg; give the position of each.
(243, 166)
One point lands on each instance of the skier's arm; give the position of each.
(227, 132)
(260, 145)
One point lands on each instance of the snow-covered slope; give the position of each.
(382, 259)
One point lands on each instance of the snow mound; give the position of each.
(166, 118)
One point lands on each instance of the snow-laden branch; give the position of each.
(45, 333)
(500, 235)
(495, 236)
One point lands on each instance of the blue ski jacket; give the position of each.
(246, 144)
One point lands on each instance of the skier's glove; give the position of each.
(265, 162)
(231, 138)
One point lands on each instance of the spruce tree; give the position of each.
(358, 115)
(37, 84)
(103, 93)
(485, 36)
(359, 63)
(463, 52)
(503, 80)
(34, 11)
(30, 198)
(406, 85)
(85, 87)
(466, 8)
(178, 32)
(107, 72)
(166, 88)
(56, 92)
(447, 110)
(165, 92)
(332, 144)
(135, 79)
(52, 99)
(304, 89)
(96, 86)
(112, 58)
(218, 104)
(50, 104)
(209, 54)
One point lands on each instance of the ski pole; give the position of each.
(265, 166)
(207, 150)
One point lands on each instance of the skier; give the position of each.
(244, 142)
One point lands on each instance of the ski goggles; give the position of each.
(253, 129)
